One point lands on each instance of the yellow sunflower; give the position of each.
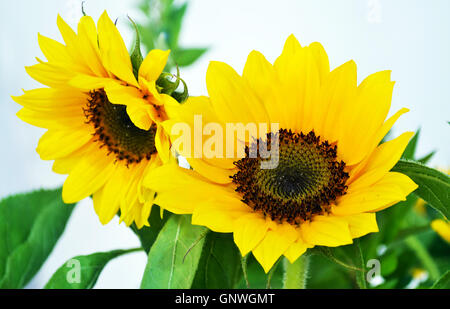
(104, 139)
(332, 175)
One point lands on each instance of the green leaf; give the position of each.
(174, 257)
(389, 262)
(147, 234)
(82, 272)
(30, 226)
(360, 263)
(410, 150)
(187, 56)
(173, 24)
(443, 282)
(434, 186)
(425, 159)
(424, 256)
(220, 264)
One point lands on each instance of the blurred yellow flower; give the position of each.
(442, 228)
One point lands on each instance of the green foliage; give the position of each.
(219, 266)
(443, 282)
(174, 256)
(30, 226)
(136, 54)
(434, 186)
(82, 272)
(162, 30)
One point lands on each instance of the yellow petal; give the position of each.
(337, 95)
(162, 144)
(299, 74)
(50, 75)
(49, 99)
(392, 188)
(53, 50)
(382, 131)
(231, 97)
(69, 36)
(124, 95)
(380, 162)
(87, 44)
(107, 206)
(361, 224)
(87, 82)
(274, 244)
(153, 64)
(327, 231)
(139, 115)
(321, 58)
(262, 78)
(248, 232)
(219, 214)
(213, 173)
(442, 228)
(296, 250)
(366, 116)
(88, 176)
(55, 144)
(66, 164)
(55, 119)
(113, 50)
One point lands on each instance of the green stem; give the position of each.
(244, 269)
(296, 274)
(360, 275)
(424, 256)
(270, 274)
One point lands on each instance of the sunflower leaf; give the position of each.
(410, 150)
(82, 272)
(170, 265)
(30, 226)
(434, 186)
(443, 282)
(426, 158)
(187, 56)
(220, 265)
(361, 263)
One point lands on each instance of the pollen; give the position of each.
(306, 181)
(115, 130)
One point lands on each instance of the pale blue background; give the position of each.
(409, 37)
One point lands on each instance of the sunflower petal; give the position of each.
(274, 244)
(113, 50)
(248, 232)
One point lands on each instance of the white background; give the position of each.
(409, 37)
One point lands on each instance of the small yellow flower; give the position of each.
(103, 125)
(419, 207)
(442, 228)
(332, 176)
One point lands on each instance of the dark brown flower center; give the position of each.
(307, 179)
(115, 130)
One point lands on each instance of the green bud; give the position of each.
(165, 84)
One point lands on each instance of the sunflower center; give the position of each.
(115, 130)
(306, 181)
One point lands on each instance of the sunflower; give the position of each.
(332, 176)
(103, 121)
